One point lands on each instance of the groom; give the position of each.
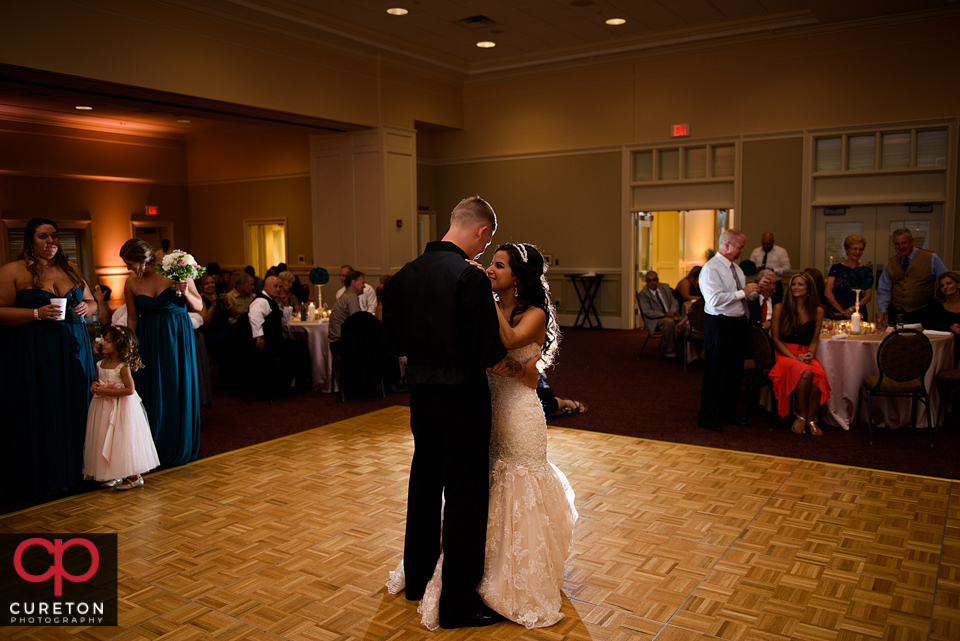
(438, 311)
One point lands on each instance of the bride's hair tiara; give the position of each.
(522, 250)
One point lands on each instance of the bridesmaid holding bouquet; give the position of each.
(157, 309)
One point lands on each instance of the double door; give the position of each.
(876, 223)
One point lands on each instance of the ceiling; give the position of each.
(438, 33)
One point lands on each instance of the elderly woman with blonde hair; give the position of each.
(287, 296)
(841, 300)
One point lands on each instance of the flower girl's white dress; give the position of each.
(118, 442)
(530, 519)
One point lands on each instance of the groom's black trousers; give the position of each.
(451, 433)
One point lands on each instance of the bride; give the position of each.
(531, 513)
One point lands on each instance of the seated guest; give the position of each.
(384, 279)
(101, 293)
(796, 332)
(280, 359)
(240, 297)
(554, 405)
(761, 307)
(943, 313)
(689, 287)
(257, 281)
(298, 288)
(348, 304)
(368, 298)
(820, 285)
(288, 295)
(214, 313)
(660, 311)
(840, 298)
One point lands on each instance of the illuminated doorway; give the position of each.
(265, 244)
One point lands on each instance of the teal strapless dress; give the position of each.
(47, 371)
(167, 383)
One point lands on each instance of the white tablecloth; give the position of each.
(316, 335)
(846, 361)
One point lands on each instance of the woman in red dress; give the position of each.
(795, 331)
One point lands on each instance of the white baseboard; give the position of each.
(608, 322)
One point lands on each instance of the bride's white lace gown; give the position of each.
(531, 514)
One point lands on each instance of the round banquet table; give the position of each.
(316, 334)
(847, 360)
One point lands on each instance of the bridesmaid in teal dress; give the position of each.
(168, 382)
(47, 368)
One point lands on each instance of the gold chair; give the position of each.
(903, 359)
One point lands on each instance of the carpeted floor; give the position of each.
(646, 398)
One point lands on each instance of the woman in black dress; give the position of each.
(943, 313)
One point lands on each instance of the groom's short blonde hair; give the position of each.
(473, 211)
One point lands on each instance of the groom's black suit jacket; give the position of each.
(438, 311)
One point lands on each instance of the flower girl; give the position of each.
(118, 446)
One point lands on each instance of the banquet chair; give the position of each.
(697, 317)
(655, 335)
(948, 382)
(360, 362)
(903, 359)
(757, 368)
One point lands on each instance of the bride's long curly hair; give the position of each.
(530, 271)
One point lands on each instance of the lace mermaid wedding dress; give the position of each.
(530, 519)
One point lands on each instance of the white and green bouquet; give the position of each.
(179, 265)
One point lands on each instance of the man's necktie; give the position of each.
(905, 262)
(763, 310)
(736, 279)
(763, 265)
(663, 307)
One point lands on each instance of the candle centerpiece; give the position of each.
(858, 280)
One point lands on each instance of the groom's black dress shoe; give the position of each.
(711, 425)
(482, 617)
(733, 420)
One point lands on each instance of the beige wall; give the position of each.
(101, 180)
(249, 173)
(567, 205)
(771, 191)
(145, 44)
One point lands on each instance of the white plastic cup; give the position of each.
(287, 314)
(61, 305)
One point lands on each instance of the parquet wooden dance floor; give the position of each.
(294, 538)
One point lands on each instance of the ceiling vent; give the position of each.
(476, 22)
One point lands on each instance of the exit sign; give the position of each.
(680, 130)
(152, 210)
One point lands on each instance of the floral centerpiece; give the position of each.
(179, 265)
(319, 277)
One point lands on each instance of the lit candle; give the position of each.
(855, 322)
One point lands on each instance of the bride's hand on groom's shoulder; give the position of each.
(476, 264)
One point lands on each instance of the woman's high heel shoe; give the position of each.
(803, 422)
(814, 428)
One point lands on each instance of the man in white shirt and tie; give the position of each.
(725, 291)
(771, 256)
(660, 310)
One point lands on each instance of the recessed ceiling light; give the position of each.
(397, 11)
(616, 21)
(486, 44)
(84, 108)
(186, 122)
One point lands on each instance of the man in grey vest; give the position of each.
(908, 281)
